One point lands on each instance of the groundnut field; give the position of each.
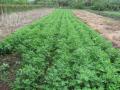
(60, 52)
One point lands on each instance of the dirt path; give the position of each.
(108, 27)
(9, 23)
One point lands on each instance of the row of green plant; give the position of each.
(59, 52)
(112, 14)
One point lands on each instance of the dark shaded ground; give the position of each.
(4, 86)
(13, 61)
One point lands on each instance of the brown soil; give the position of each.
(13, 60)
(9, 23)
(108, 27)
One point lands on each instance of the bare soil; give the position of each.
(108, 27)
(4, 86)
(9, 23)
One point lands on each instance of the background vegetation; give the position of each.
(78, 4)
(93, 4)
(105, 5)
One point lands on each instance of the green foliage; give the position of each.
(62, 3)
(98, 5)
(112, 14)
(106, 5)
(13, 1)
(93, 4)
(59, 52)
(8, 6)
